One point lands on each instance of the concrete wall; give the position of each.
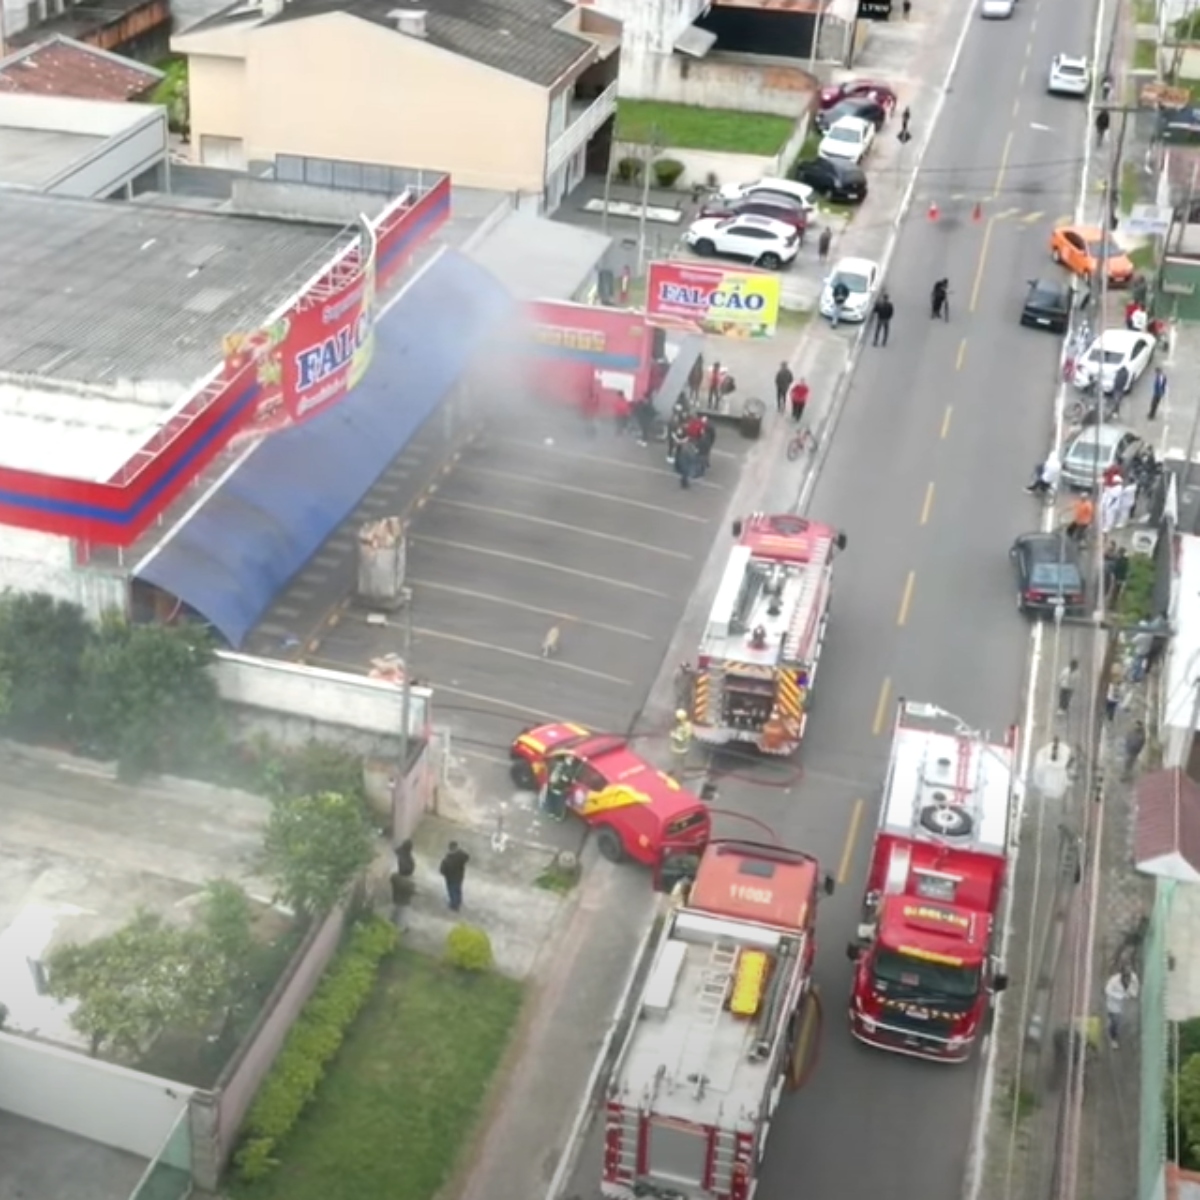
(722, 80)
(302, 201)
(89, 1098)
(42, 562)
(726, 166)
(217, 1116)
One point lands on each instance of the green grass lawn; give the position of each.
(1145, 56)
(404, 1093)
(691, 128)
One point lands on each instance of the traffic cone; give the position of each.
(977, 212)
(933, 210)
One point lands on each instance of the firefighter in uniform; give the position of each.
(681, 742)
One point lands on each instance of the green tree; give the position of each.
(1188, 1098)
(315, 847)
(227, 925)
(132, 985)
(42, 642)
(147, 698)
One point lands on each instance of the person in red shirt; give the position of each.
(798, 398)
(1113, 475)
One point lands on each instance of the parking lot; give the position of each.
(539, 526)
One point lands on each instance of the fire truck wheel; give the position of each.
(521, 773)
(609, 844)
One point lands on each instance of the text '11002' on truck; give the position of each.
(758, 658)
(723, 1023)
(926, 966)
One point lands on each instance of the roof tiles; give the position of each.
(63, 67)
(1167, 825)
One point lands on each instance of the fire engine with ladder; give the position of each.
(758, 657)
(925, 951)
(722, 1024)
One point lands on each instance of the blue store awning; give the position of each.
(238, 552)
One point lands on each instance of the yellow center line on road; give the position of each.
(999, 187)
(906, 599)
(958, 365)
(983, 253)
(1029, 49)
(491, 510)
(885, 693)
(927, 507)
(946, 418)
(856, 816)
(535, 562)
(1024, 73)
(1016, 107)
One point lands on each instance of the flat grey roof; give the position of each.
(538, 259)
(99, 291)
(34, 158)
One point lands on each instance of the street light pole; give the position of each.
(652, 149)
(401, 802)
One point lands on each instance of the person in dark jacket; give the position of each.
(884, 311)
(402, 877)
(454, 870)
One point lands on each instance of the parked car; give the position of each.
(996, 10)
(834, 178)
(760, 240)
(770, 186)
(849, 139)
(1047, 305)
(1093, 450)
(1112, 350)
(861, 277)
(1049, 573)
(1070, 75)
(759, 204)
(1081, 248)
(1179, 126)
(873, 89)
(862, 107)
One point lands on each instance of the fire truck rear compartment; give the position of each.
(747, 703)
(701, 1076)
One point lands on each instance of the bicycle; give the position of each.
(801, 441)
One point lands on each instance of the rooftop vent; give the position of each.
(410, 21)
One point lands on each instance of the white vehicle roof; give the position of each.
(854, 266)
(1121, 340)
(769, 183)
(1069, 62)
(1096, 435)
(854, 124)
(779, 229)
(947, 784)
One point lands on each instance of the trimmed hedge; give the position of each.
(310, 1047)
(469, 948)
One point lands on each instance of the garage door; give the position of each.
(225, 152)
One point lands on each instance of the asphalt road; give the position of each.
(941, 431)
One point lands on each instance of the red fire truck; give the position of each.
(758, 657)
(925, 951)
(721, 1023)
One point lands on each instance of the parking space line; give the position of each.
(516, 516)
(608, 462)
(566, 487)
(529, 608)
(492, 648)
(534, 562)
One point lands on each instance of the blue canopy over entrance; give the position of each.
(235, 555)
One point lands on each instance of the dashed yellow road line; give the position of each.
(927, 507)
(885, 694)
(949, 414)
(1016, 107)
(856, 816)
(906, 599)
(958, 366)
(1008, 141)
(983, 253)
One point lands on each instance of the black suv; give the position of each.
(842, 182)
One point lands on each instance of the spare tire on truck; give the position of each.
(947, 820)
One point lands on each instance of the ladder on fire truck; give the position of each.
(811, 580)
(715, 983)
(965, 795)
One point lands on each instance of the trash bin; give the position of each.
(750, 422)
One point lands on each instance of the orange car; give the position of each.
(1081, 247)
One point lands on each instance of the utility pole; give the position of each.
(608, 175)
(401, 802)
(651, 151)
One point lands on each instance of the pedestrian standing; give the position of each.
(905, 117)
(695, 379)
(1120, 388)
(1102, 121)
(1082, 516)
(1122, 988)
(454, 870)
(799, 400)
(1067, 683)
(1158, 391)
(1126, 503)
(1118, 573)
(907, 7)
(681, 742)
(823, 243)
(783, 384)
(939, 300)
(1112, 700)
(687, 463)
(884, 311)
(841, 293)
(402, 877)
(714, 386)
(591, 408)
(1135, 743)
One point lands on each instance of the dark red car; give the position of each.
(872, 89)
(777, 207)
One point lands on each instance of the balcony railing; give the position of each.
(582, 122)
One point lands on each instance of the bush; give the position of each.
(629, 170)
(1137, 596)
(667, 172)
(468, 948)
(314, 1040)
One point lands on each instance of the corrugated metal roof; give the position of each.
(537, 259)
(98, 292)
(64, 67)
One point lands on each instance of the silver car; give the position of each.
(1093, 450)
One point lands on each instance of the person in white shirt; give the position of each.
(1119, 990)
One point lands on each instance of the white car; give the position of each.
(848, 138)
(1112, 350)
(761, 240)
(861, 277)
(996, 10)
(1069, 76)
(768, 186)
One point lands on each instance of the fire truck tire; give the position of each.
(521, 773)
(946, 820)
(609, 844)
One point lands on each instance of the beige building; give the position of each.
(515, 95)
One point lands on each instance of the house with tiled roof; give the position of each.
(62, 66)
(513, 95)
